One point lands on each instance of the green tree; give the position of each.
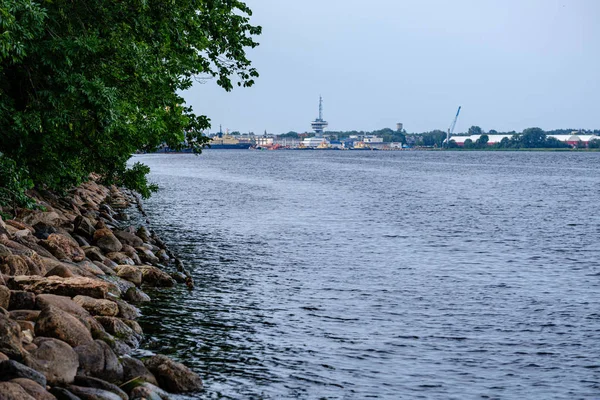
(84, 84)
(594, 144)
(475, 130)
(482, 141)
(468, 144)
(532, 138)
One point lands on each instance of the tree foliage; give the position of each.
(84, 84)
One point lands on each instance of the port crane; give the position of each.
(451, 128)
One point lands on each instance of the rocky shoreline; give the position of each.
(71, 274)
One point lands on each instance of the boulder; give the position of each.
(14, 265)
(96, 383)
(55, 359)
(51, 218)
(87, 393)
(63, 247)
(127, 311)
(172, 376)
(3, 357)
(10, 369)
(97, 306)
(43, 230)
(10, 337)
(128, 238)
(71, 287)
(4, 251)
(120, 330)
(20, 225)
(21, 300)
(15, 247)
(106, 241)
(63, 394)
(22, 282)
(83, 226)
(163, 256)
(4, 297)
(146, 255)
(89, 268)
(147, 391)
(60, 270)
(33, 389)
(144, 234)
(136, 296)
(120, 258)
(33, 243)
(93, 253)
(81, 241)
(98, 360)
(109, 263)
(36, 265)
(24, 315)
(153, 276)
(65, 303)
(13, 391)
(59, 324)
(129, 273)
(121, 285)
(104, 268)
(134, 368)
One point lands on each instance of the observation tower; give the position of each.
(318, 125)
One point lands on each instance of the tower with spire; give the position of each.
(318, 125)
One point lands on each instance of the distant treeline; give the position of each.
(528, 138)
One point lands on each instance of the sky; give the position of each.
(510, 64)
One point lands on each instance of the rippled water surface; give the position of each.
(353, 275)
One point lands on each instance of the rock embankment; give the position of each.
(71, 275)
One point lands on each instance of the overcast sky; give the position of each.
(511, 64)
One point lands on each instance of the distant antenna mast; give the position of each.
(319, 124)
(451, 129)
(320, 107)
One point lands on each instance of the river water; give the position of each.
(388, 275)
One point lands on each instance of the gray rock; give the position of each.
(120, 330)
(127, 311)
(90, 382)
(86, 393)
(136, 296)
(172, 376)
(129, 238)
(55, 359)
(93, 253)
(134, 368)
(10, 369)
(63, 394)
(98, 360)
